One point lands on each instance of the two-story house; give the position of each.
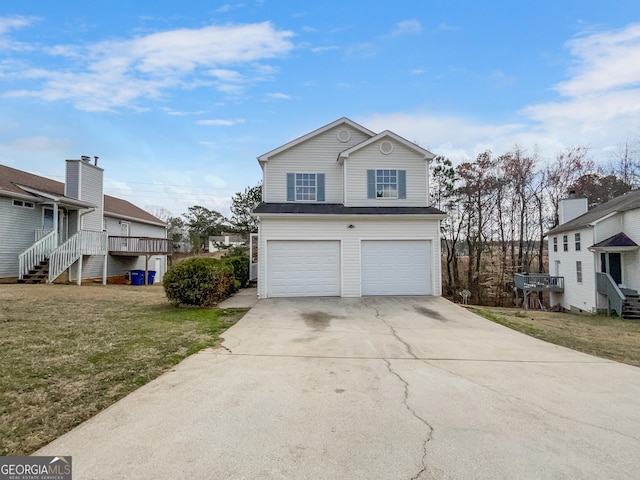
(346, 212)
(71, 231)
(597, 253)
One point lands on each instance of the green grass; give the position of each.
(607, 337)
(67, 352)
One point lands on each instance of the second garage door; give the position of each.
(396, 267)
(303, 268)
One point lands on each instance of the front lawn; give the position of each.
(67, 352)
(606, 337)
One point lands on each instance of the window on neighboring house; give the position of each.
(22, 203)
(555, 244)
(565, 243)
(305, 187)
(579, 272)
(387, 183)
(577, 240)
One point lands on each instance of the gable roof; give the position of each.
(387, 134)
(341, 121)
(617, 240)
(11, 181)
(623, 203)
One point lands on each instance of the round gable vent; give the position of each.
(344, 135)
(386, 147)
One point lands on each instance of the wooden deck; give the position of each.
(136, 246)
(538, 282)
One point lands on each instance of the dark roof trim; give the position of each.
(623, 203)
(340, 209)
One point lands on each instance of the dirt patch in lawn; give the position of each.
(606, 337)
(67, 352)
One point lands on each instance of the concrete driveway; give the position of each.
(372, 388)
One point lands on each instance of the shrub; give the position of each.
(240, 268)
(201, 282)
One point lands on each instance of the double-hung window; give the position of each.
(577, 242)
(579, 272)
(306, 187)
(386, 183)
(555, 244)
(565, 243)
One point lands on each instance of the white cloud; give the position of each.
(215, 181)
(604, 61)
(599, 105)
(324, 49)
(219, 122)
(119, 73)
(278, 96)
(407, 27)
(14, 22)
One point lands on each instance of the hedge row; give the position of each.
(204, 282)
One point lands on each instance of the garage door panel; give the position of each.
(396, 267)
(303, 268)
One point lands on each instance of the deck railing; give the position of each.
(607, 286)
(85, 242)
(539, 282)
(140, 245)
(38, 252)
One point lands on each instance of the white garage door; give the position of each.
(396, 267)
(303, 268)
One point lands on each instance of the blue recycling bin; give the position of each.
(137, 277)
(151, 276)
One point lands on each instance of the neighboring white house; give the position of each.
(346, 212)
(49, 226)
(597, 253)
(225, 241)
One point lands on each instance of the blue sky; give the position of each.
(179, 98)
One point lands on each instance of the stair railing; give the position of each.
(85, 242)
(607, 286)
(36, 253)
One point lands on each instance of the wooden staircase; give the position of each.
(631, 307)
(38, 274)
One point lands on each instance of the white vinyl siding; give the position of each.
(336, 229)
(396, 267)
(84, 181)
(370, 158)
(303, 268)
(319, 155)
(119, 265)
(581, 296)
(18, 226)
(631, 260)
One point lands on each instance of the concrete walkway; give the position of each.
(245, 298)
(374, 388)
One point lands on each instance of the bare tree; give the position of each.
(568, 166)
(625, 162)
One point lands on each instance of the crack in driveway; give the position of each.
(406, 385)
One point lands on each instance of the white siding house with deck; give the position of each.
(72, 231)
